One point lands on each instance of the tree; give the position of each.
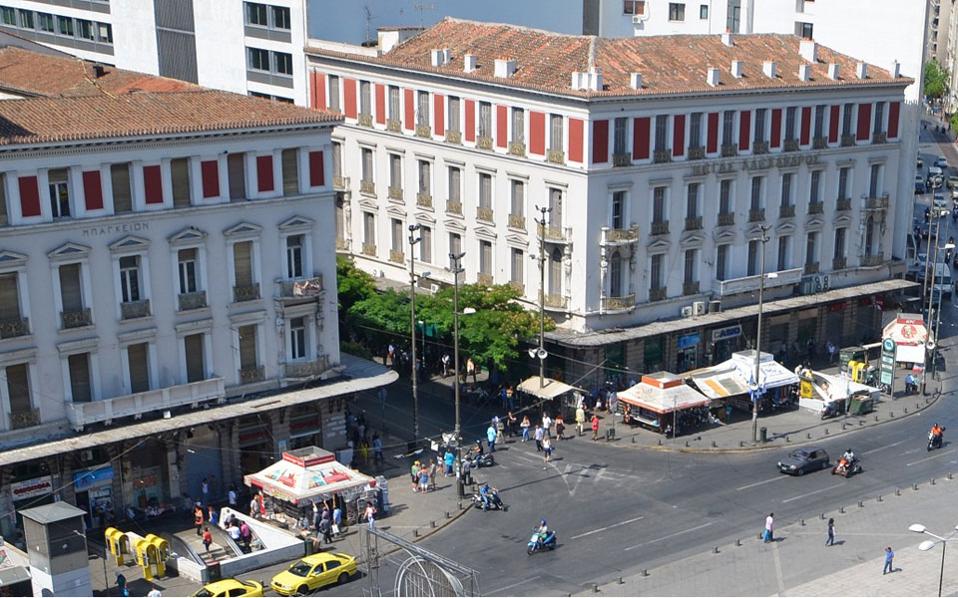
(352, 286)
(936, 80)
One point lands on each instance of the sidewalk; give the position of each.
(799, 564)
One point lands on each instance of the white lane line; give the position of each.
(515, 585)
(801, 496)
(685, 531)
(768, 481)
(930, 458)
(602, 529)
(881, 448)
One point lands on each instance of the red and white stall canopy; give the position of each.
(663, 392)
(307, 475)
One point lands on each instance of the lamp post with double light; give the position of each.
(413, 240)
(758, 390)
(928, 545)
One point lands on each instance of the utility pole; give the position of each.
(541, 353)
(455, 264)
(758, 335)
(413, 239)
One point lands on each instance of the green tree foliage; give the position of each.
(936, 79)
(352, 284)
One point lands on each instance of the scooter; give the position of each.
(853, 468)
(935, 442)
(495, 503)
(538, 543)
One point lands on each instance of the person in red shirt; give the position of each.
(207, 538)
(595, 427)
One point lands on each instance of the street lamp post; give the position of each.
(541, 353)
(934, 363)
(758, 335)
(455, 265)
(413, 240)
(928, 545)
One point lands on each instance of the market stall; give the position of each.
(564, 394)
(911, 338)
(731, 381)
(834, 394)
(662, 401)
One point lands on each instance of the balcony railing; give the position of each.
(368, 187)
(365, 120)
(748, 284)
(135, 309)
(424, 200)
(729, 150)
(657, 294)
(394, 193)
(517, 221)
(622, 303)
(245, 292)
(454, 207)
(696, 153)
(24, 419)
(341, 244)
(726, 219)
(816, 207)
(786, 211)
(484, 279)
(839, 263)
(622, 159)
(880, 138)
(484, 214)
(848, 140)
(76, 318)
(454, 137)
(396, 256)
(819, 143)
(872, 260)
(424, 131)
(555, 234)
(306, 288)
(555, 302)
(484, 142)
(759, 147)
(756, 215)
(693, 223)
(188, 301)
(622, 235)
(555, 156)
(659, 228)
(393, 125)
(791, 145)
(518, 286)
(876, 203)
(306, 369)
(843, 204)
(662, 156)
(517, 148)
(340, 183)
(161, 399)
(252, 375)
(369, 249)
(811, 268)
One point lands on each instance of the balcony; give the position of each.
(819, 143)
(729, 150)
(872, 260)
(306, 369)
(454, 137)
(252, 375)
(76, 318)
(484, 214)
(816, 207)
(657, 294)
(555, 234)
(484, 142)
(839, 263)
(748, 284)
(341, 244)
(786, 211)
(661, 156)
(791, 145)
(454, 207)
(394, 193)
(726, 219)
(848, 140)
(616, 304)
(756, 215)
(340, 183)
(188, 301)
(555, 156)
(369, 249)
(484, 279)
(659, 228)
(396, 256)
(517, 148)
(517, 221)
(305, 289)
(365, 120)
(876, 203)
(811, 268)
(14, 327)
(135, 309)
(424, 131)
(693, 223)
(161, 399)
(620, 236)
(424, 200)
(696, 153)
(880, 138)
(690, 288)
(24, 419)
(621, 159)
(843, 204)
(554, 302)
(245, 292)
(367, 187)
(759, 147)
(393, 125)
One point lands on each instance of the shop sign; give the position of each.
(31, 488)
(750, 164)
(887, 371)
(726, 333)
(89, 478)
(688, 341)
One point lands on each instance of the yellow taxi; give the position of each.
(313, 572)
(230, 587)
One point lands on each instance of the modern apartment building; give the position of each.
(245, 47)
(660, 160)
(166, 261)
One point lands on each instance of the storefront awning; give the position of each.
(550, 389)
(663, 398)
(733, 377)
(306, 475)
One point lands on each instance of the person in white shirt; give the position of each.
(231, 496)
(155, 593)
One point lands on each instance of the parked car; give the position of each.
(803, 460)
(230, 587)
(313, 572)
(941, 162)
(952, 182)
(920, 164)
(920, 186)
(939, 202)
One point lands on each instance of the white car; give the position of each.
(940, 202)
(941, 162)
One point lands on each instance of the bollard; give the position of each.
(432, 524)
(841, 509)
(861, 504)
(741, 443)
(897, 491)
(595, 588)
(950, 475)
(415, 533)
(822, 516)
(645, 572)
(876, 418)
(879, 498)
(808, 436)
(803, 523)
(460, 505)
(906, 409)
(914, 487)
(861, 422)
(448, 516)
(787, 439)
(714, 445)
(738, 542)
(891, 414)
(826, 431)
(686, 444)
(715, 550)
(760, 536)
(932, 481)
(843, 425)
(621, 581)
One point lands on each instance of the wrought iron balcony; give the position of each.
(819, 143)
(659, 228)
(454, 137)
(622, 235)
(880, 138)
(623, 303)
(657, 294)
(555, 156)
(454, 207)
(396, 256)
(14, 327)
(839, 263)
(662, 156)
(517, 221)
(726, 219)
(306, 369)
(484, 214)
(748, 284)
(76, 318)
(816, 207)
(555, 302)
(252, 375)
(369, 249)
(365, 120)
(24, 419)
(786, 211)
(245, 292)
(759, 147)
(756, 215)
(518, 286)
(872, 260)
(696, 153)
(135, 309)
(189, 301)
(484, 142)
(368, 187)
(424, 200)
(394, 193)
(729, 150)
(424, 131)
(843, 204)
(517, 148)
(690, 288)
(848, 140)
(305, 288)
(622, 159)
(791, 145)
(393, 125)
(876, 203)
(485, 280)
(811, 268)
(693, 223)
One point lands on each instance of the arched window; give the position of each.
(615, 275)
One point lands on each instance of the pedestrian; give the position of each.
(207, 538)
(235, 532)
(414, 474)
(510, 397)
(445, 364)
(546, 424)
(337, 519)
(424, 480)
(547, 449)
(262, 505)
(830, 540)
(449, 459)
(830, 347)
(525, 428)
(121, 585)
(378, 449)
(391, 352)
(370, 515)
(511, 424)
(325, 528)
(889, 557)
(579, 418)
(471, 371)
(198, 519)
(154, 593)
(560, 426)
(211, 515)
(253, 507)
(433, 473)
(205, 487)
(595, 426)
(232, 497)
(491, 434)
(769, 528)
(538, 436)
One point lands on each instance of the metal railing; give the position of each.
(246, 292)
(555, 156)
(484, 214)
(24, 419)
(555, 302)
(756, 215)
(135, 309)
(811, 268)
(424, 200)
(517, 221)
(759, 147)
(454, 137)
(369, 249)
(726, 219)
(252, 375)
(194, 300)
(693, 223)
(696, 153)
(517, 148)
(786, 211)
(662, 156)
(454, 207)
(618, 303)
(690, 288)
(729, 150)
(394, 193)
(816, 207)
(368, 187)
(424, 131)
(659, 228)
(622, 159)
(365, 120)
(484, 142)
(622, 235)
(843, 204)
(397, 256)
(76, 318)
(839, 263)
(657, 294)
(306, 369)
(393, 125)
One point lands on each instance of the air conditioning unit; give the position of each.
(636, 19)
(434, 287)
(86, 455)
(698, 308)
(687, 311)
(715, 306)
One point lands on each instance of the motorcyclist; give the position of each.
(543, 530)
(485, 496)
(911, 383)
(936, 433)
(849, 456)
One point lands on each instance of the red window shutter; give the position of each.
(711, 144)
(576, 127)
(152, 184)
(470, 123)
(537, 133)
(864, 120)
(410, 112)
(640, 138)
(317, 177)
(776, 140)
(92, 190)
(210, 171)
(893, 113)
(806, 132)
(439, 114)
(600, 141)
(678, 135)
(502, 126)
(380, 104)
(744, 129)
(834, 120)
(349, 97)
(319, 90)
(264, 173)
(29, 196)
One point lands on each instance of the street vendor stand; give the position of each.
(306, 476)
(730, 381)
(911, 339)
(839, 394)
(661, 402)
(563, 394)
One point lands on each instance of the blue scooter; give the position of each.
(537, 542)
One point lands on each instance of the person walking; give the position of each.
(769, 528)
(207, 538)
(889, 557)
(595, 426)
(424, 480)
(491, 434)
(378, 450)
(325, 528)
(445, 364)
(560, 427)
(414, 474)
(232, 497)
(449, 459)
(579, 418)
(154, 593)
(211, 516)
(253, 507)
(511, 424)
(547, 449)
(538, 437)
(546, 424)
(830, 540)
(525, 428)
(337, 519)
(205, 488)
(198, 519)
(471, 371)
(370, 516)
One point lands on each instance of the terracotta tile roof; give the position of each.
(67, 103)
(669, 64)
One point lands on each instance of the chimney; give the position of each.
(468, 63)
(440, 57)
(595, 79)
(861, 70)
(809, 50)
(635, 80)
(727, 39)
(804, 72)
(591, 80)
(737, 69)
(895, 69)
(833, 72)
(714, 77)
(98, 71)
(505, 67)
(770, 70)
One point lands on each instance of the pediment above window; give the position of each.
(296, 223)
(129, 244)
(188, 236)
(69, 251)
(243, 229)
(12, 259)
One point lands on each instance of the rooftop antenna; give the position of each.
(421, 8)
(368, 16)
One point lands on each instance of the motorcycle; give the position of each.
(538, 543)
(833, 409)
(477, 459)
(936, 442)
(495, 503)
(854, 467)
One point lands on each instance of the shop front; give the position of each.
(687, 350)
(147, 485)
(93, 490)
(725, 341)
(305, 429)
(255, 443)
(31, 492)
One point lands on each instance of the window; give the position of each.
(46, 22)
(517, 198)
(396, 236)
(721, 262)
(756, 197)
(65, 26)
(760, 115)
(258, 59)
(618, 210)
(518, 125)
(18, 390)
(367, 165)
(453, 115)
(620, 136)
(615, 275)
(485, 119)
(26, 18)
(658, 205)
(843, 173)
(78, 366)
(294, 256)
(787, 189)
(71, 289)
(297, 338)
(555, 273)
(790, 123)
(633, 7)
(122, 195)
(814, 192)
(661, 132)
(243, 264)
(337, 159)
(104, 32)
(193, 348)
(130, 278)
(691, 261)
(485, 258)
(874, 180)
(186, 266)
(870, 235)
(8, 16)
(555, 132)
(289, 160)
(281, 18)
(59, 193)
(485, 190)
(734, 16)
(655, 272)
(676, 11)
(820, 120)
(334, 93)
(256, 14)
(455, 245)
(753, 249)
(236, 175)
(425, 244)
(725, 196)
(425, 177)
(9, 297)
(783, 246)
(555, 208)
(394, 109)
(728, 127)
(692, 201)
(180, 177)
(369, 228)
(839, 250)
(879, 118)
(247, 347)
(455, 183)
(847, 119)
(422, 108)
(695, 130)
(137, 356)
(804, 30)
(703, 11)
(283, 63)
(365, 99)
(516, 266)
(395, 171)
(811, 248)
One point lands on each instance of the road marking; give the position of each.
(514, 585)
(930, 458)
(768, 481)
(602, 529)
(881, 448)
(801, 496)
(685, 531)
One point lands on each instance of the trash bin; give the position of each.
(763, 434)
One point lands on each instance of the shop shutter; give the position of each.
(711, 141)
(380, 104)
(193, 346)
(894, 108)
(470, 120)
(122, 192)
(70, 286)
(576, 130)
(349, 96)
(210, 171)
(264, 173)
(834, 120)
(502, 126)
(290, 163)
(180, 175)
(806, 131)
(92, 190)
(243, 263)
(79, 366)
(410, 109)
(864, 120)
(317, 176)
(744, 129)
(600, 141)
(138, 357)
(641, 128)
(537, 133)
(29, 196)
(153, 184)
(678, 135)
(776, 137)
(9, 297)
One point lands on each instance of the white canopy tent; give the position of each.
(828, 388)
(549, 390)
(733, 377)
(663, 400)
